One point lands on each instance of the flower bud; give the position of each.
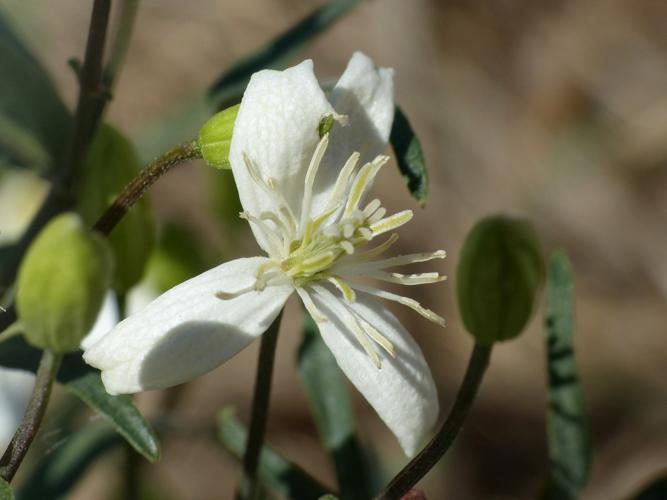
(61, 284)
(111, 163)
(499, 273)
(215, 137)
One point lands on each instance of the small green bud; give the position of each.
(61, 284)
(326, 124)
(215, 137)
(111, 163)
(499, 273)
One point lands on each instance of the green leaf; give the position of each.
(110, 164)
(120, 411)
(6, 492)
(569, 451)
(59, 471)
(278, 52)
(34, 122)
(329, 401)
(499, 273)
(409, 156)
(276, 472)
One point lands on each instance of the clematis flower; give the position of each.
(304, 197)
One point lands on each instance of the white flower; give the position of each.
(303, 197)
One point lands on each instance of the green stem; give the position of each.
(32, 418)
(140, 184)
(417, 468)
(260, 409)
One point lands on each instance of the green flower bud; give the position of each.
(61, 284)
(499, 273)
(215, 137)
(111, 163)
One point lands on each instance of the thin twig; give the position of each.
(32, 418)
(260, 410)
(140, 184)
(417, 468)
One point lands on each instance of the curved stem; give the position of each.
(260, 410)
(414, 471)
(32, 418)
(140, 184)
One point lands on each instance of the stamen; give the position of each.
(392, 222)
(380, 339)
(312, 309)
(371, 207)
(349, 319)
(271, 237)
(363, 257)
(406, 279)
(413, 258)
(342, 181)
(406, 301)
(311, 173)
(376, 216)
(232, 295)
(361, 181)
(347, 246)
(344, 288)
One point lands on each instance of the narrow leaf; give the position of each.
(120, 411)
(569, 451)
(33, 118)
(409, 156)
(329, 400)
(279, 51)
(276, 472)
(59, 471)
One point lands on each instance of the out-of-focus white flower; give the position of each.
(304, 198)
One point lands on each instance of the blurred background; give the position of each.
(552, 110)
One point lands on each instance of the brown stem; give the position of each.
(417, 468)
(140, 184)
(32, 418)
(260, 410)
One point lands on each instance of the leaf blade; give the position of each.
(120, 412)
(409, 156)
(568, 443)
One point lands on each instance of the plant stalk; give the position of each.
(417, 468)
(32, 418)
(250, 487)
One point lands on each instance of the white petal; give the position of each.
(402, 391)
(187, 331)
(366, 95)
(277, 127)
(107, 318)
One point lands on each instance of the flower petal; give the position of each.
(365, 94)
(402, 391)
(187, 331)
(277, 128)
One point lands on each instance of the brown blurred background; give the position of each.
(554, 110)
